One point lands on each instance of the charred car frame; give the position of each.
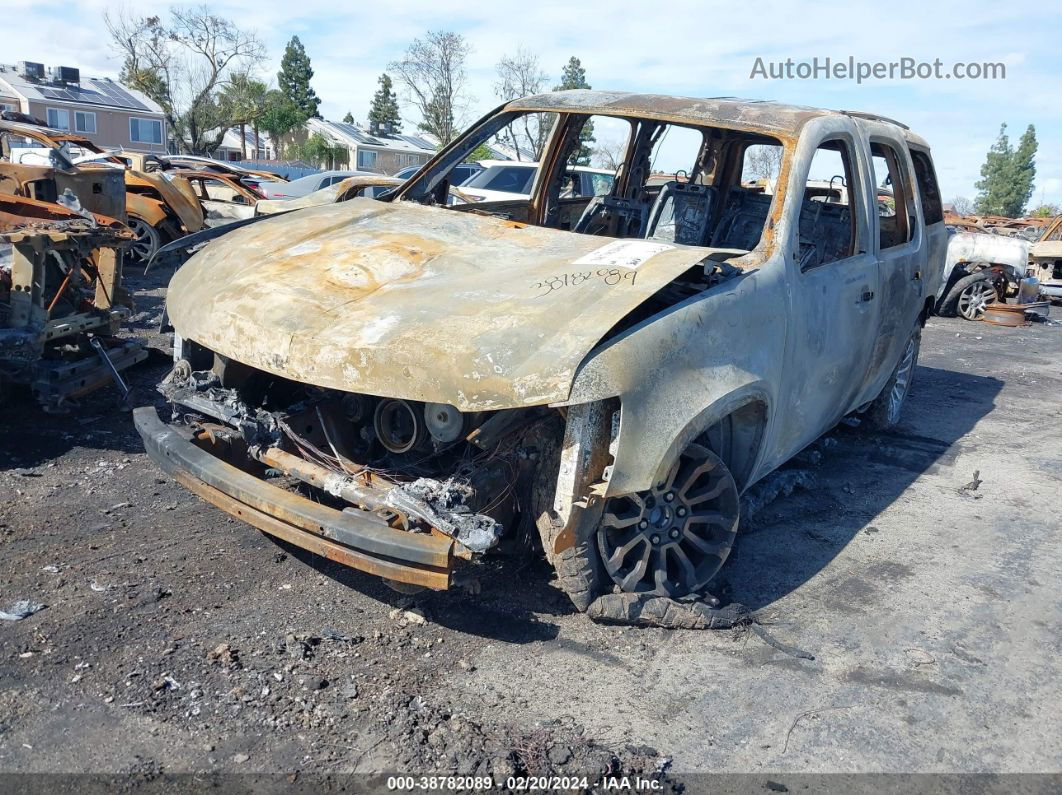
(404, 384)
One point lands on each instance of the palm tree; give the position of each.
(244, 99)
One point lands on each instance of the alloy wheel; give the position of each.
(672, 539)
(901, 381)
(974, 299)
(147, 239)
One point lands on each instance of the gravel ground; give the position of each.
(176, 639)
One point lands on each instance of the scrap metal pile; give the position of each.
(61, 300)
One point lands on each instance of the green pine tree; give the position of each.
(384, 112)
(1024, 172)
(294, 80)
(349, 118)
(1007, 176)
(574, 76)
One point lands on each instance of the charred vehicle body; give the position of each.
(404, 384)
(980, 268)
(158, 207)
(61, 300)
(1045, 260)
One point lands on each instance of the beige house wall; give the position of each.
(112, 126)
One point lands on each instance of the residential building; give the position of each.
(377, 152)
(109, 114)
(230, 148)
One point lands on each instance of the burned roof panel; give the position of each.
(750, 114)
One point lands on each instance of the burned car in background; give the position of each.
(61, 300)
(1045, 260)
(159, 207)
(404, 384)
(370, 186)
(980, 268)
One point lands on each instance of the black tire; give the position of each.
(148, 240)
(682, 531)
(970, 294)
(884, 411)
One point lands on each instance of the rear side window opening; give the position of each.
(932, 207)
(895, 227)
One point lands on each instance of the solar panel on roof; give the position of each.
(416, 140)
(90, 92)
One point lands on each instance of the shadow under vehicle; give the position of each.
(404, 384)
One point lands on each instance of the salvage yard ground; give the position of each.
(176, 639)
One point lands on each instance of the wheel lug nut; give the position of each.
(680, 511)
(655, 539)
(669, 496)
(674, 532)
(643, 524)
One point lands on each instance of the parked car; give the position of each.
(308, 184)
(1045, 260)
(608, 372)
(504, 180)
(980, 269)
(462, 172)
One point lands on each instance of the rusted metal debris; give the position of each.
(61, 299)
(1005, 315)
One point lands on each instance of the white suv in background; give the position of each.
(505, 180)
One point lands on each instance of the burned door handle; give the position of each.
(868, 295)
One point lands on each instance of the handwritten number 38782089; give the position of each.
(610, 276)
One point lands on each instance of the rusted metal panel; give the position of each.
(362, 541)
(741, 114)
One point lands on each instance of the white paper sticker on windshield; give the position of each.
(622, 254)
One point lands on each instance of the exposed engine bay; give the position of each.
(422, 467)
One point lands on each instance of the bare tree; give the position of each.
(609, 154)
(962, 205)
(763, 160)
(432, 71)
(183, 63)
(518, 76)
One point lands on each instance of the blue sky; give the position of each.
(680, 47)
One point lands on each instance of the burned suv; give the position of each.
(405, 384)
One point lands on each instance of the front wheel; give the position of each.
(971, 294)
(148, 240)
(671, 540)
(885, 410)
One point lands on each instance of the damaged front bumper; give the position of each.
(358, 539)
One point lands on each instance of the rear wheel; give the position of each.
(672, 539)
(885, 410)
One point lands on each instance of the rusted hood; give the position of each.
(400, 300)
